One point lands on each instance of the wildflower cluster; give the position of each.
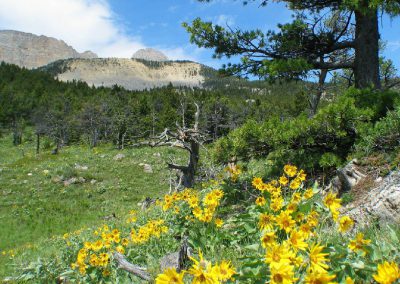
(288, 224)
(234, 172)
(287, 242)
(153, 228)
(97, 254)
(288, 234)
(201, 272)
(202, 210)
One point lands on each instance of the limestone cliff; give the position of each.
(132, 74)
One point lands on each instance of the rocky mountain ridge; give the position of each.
(132, 74)
(148, 68)
(33, 51)
(149, 54)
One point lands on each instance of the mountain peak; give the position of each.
(150, 54)
(32, 51)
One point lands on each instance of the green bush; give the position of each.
(380, 102)
(383, 136)
(320, 142)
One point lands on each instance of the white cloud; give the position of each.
(225, 20)
(83, 24)
(393, 45)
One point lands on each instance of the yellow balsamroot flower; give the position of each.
(345, 224)
(285, 221)
(282, 273)
(260, 201)
(301, 175)
(218, 222)
(224, 271)
(388, 272)
(193, 202)
(332, 202)
(210, 200)
(295, 184)
(296, 197)
(358, 244)
(276, 204)
(104, 259)
(309, 193)
(348, 280)
(124, 242)
(318, 259)
(197, 212)
(257, 183)
(299, 217)
(202, 271)
(291, 207)
(176, 210)
(266, 221)
(268, 239)
(106, 273)
(296, 260)
(218, 193)
(290, 170)
(278, 253)
(296, 240)
(306, 229)
(87, 245)
(312, 218)
(317, 277)
(93, 260)
(120, 249)
(170, 276)
(283, 180)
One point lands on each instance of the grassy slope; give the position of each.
(34, 208)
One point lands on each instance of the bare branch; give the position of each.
(124, 264)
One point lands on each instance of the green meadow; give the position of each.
(36, 205)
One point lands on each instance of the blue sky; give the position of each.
(117, 28)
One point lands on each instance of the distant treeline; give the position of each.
(72, 112)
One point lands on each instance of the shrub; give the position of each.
(300, 140)
(383, 136)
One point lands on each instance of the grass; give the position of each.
(35, 205)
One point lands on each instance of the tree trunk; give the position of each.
(37, 144)
(190, 172)
(366, 64)
(315, 99)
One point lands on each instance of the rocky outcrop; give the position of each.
(382, 203)
(347, 178)
(132, 74)
(32, 51)
(150, 54)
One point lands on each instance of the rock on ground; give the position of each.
(382, 203)
(147, 168)
(119, 157)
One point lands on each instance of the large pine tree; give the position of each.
(299, 47)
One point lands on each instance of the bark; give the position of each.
(366, 63)
(315, 99)
(37, 144)
(131, 268)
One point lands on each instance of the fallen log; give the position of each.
(131, 268)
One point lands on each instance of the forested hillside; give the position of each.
(74, 112)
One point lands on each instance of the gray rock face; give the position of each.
(32, 51)
(129, 73)
(347, 178)
(149, 54)
(382, 202)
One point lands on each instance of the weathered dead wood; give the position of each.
(131, 268)
(188, 139)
